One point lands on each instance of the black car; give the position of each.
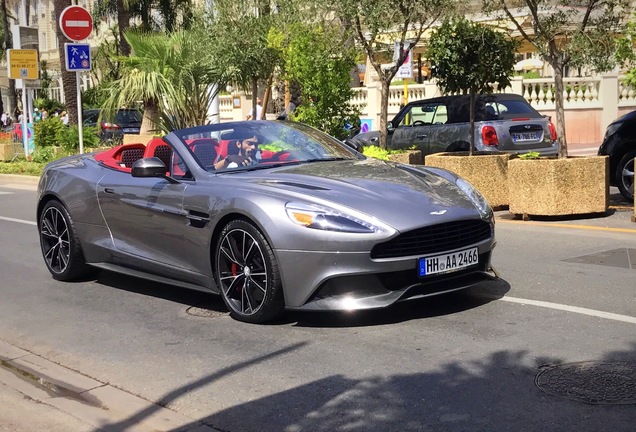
(126, 121)
(620, 145)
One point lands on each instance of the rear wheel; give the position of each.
(60, 245)
(247, 274)
(625, 175)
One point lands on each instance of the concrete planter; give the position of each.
(487, 172)
(137, 138)
(7, 152)
(559, 187)
(411, 157)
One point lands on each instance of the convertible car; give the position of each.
(270, 215)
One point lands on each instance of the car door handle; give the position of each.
(421, 136)
(109, 190)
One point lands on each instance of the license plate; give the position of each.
(448, 262)
(131, 130)
(525, 136)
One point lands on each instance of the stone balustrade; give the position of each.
(590, 103)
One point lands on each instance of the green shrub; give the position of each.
(68, 138)
(43, 154)
(375, 152)
(46, 131)
(530, 155)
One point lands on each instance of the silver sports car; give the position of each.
(270, 215)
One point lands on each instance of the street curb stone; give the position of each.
(94, 402)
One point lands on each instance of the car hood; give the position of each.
(399, 195)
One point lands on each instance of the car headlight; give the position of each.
(477, 198)
(324, 218)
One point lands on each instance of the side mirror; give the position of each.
(390, 126)
(151, 167)
(354, 145)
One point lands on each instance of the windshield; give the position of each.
(260, 145)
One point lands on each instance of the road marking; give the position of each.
(17, 220)
(560, 225)
(6, 193)
(575, 309)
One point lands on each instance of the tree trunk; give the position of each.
(266, 97)
(254, 96)
(150, 119)
(69, 81)
(472, 123)
(123, 22)
(560, 111)
(8, 44)
(384, 108)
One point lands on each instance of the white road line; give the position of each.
(17, 220)
(575, 309)
(6, 193)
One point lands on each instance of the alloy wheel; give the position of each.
(242, 272)
(55, 239)
(627, 176)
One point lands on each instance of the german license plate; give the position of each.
(448, 262)
(525, 136)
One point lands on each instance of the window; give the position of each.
(43, 42)
(432, 113)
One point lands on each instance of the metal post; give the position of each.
(79, 113)
(24, 121)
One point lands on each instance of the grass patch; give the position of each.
(22, 167)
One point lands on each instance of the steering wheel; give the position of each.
(278, 155)
(418, 123)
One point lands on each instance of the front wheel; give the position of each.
(60, 245)
(625, 175)
(247, 274)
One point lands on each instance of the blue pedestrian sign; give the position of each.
(78, 57)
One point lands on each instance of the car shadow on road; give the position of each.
(429, 307)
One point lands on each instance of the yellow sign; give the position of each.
(23, 64)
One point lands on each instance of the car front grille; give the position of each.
(433, 239)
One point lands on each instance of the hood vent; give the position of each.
(294, 184)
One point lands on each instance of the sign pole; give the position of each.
(25, 131)
(79, 113)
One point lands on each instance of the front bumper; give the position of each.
(349, 281)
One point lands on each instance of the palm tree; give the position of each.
(173, 74)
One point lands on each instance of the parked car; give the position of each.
(503, 122)
(620, 145)
(303, 222)
(126, 121)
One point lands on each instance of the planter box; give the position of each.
(559, 187)
(487, 172)
(411, 157)
(7, 152)
(140, 138)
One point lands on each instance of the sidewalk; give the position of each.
(73, 399)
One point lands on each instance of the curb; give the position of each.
(17, 179)
(96, 403)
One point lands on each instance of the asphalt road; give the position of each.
(461, 362)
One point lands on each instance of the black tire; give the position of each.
(625, 175)
(60, 246)
(247, 275)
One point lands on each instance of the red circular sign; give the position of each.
(76, 23)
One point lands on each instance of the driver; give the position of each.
(244, 150)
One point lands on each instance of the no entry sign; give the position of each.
(76, 23)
